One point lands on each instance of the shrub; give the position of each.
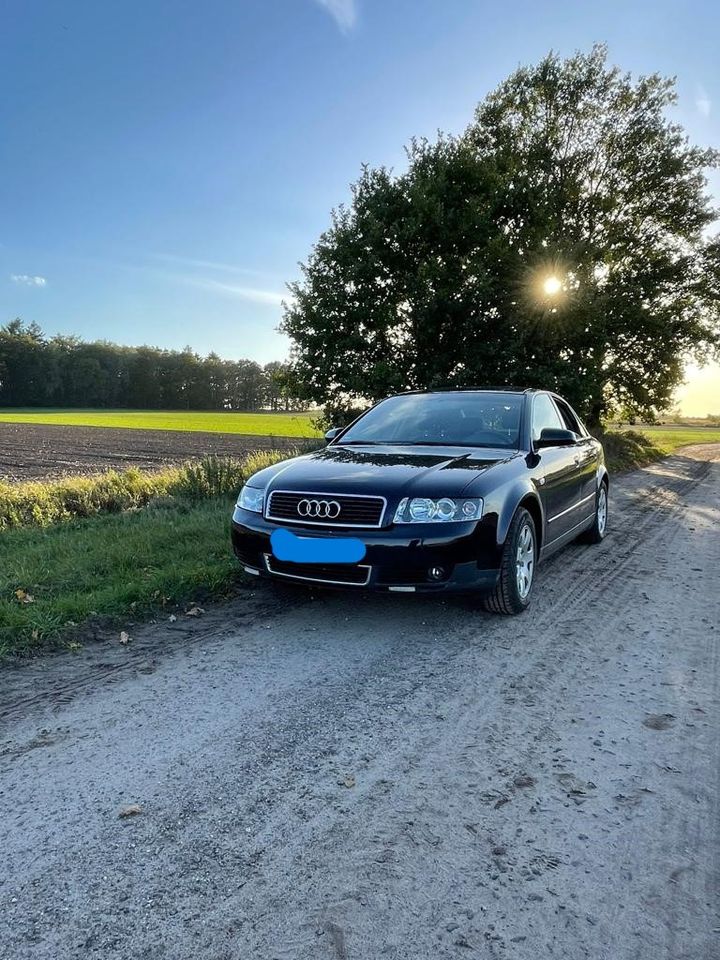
(628, 449)
(210, 477)
(38, 503)
(260, 459)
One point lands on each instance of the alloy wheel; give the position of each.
(602, 510)
(525, 561)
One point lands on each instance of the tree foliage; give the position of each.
(570, 171)
(66, 372)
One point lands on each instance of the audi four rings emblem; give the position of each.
(325, 509)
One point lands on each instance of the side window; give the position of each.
(569, 418)
(544, 415)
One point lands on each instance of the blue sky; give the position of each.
(166, 163)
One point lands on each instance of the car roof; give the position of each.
(520, 390)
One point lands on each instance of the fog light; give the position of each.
(436, 573)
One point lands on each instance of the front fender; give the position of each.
(504, 502)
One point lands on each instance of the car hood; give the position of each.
(419, 470)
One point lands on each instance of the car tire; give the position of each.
(513, 591)
(597, 532)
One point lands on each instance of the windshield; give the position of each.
(442, 419)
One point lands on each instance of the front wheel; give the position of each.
(513, 590)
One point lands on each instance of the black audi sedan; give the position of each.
(430, 491)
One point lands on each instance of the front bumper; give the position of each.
(397, 559)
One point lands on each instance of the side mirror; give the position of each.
(555, 437)
(332, 433)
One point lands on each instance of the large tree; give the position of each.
(562, 241)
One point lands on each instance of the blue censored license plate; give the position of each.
(286, 545)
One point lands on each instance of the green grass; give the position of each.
(632, 447)
(111, 567)
(253, 424)
(668, 438)
(115, 545)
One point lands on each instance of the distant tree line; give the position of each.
(64, 371)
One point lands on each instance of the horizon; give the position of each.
(170, 200)
(691, 396)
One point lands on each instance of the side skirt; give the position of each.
(548, 549)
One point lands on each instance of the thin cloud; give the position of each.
(703, 102)
(208, 265)
(25, 280)
(343, 12)
(252, 294)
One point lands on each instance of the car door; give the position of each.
(587, 458)
(558, 473)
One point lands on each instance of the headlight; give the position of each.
(425, 510)
(251, 498)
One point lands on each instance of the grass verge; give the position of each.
(41, 503)
(115, 545)
(668, 438)
(111, 567)
(628, 450)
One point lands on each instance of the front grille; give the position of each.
(346, 573)
(325, 509)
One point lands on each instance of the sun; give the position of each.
(551, 286)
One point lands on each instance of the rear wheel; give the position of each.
(597, 531)
(513, 590)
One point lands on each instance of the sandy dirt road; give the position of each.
(325, 776)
